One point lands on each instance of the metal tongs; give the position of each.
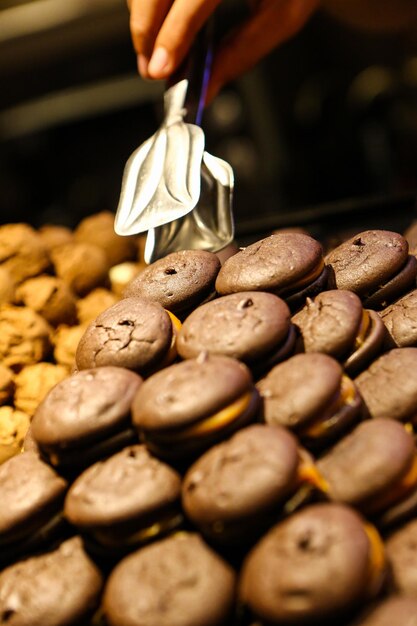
(172, 188)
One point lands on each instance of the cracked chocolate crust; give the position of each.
(179, 282)
(270, 264)
(247, 326)
(134, 333)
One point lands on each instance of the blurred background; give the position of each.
(324, 131)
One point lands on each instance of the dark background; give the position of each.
(324, 132)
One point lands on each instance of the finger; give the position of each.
(146, 18)
(177, 33)
(275, 22)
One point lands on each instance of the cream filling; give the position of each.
(213, 423)
(346, 397)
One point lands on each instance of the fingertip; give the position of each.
(160, 65)
(143, 63)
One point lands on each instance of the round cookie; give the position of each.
(372, 468)
(402, 555)
(24, 337)
(181, 580)
(31, 494)
(54, 235)
(387, 388)
(310, 394)
(50, 297)
(336, 324)
(133, 333)
(33, 382)
(86, 416)
(238, 488)
(400, 319)
(65, 340)
(22, 251)
(251, 326)
(188, 406)
(13, 428)
(94, 303)
(374, 264)
(98, 229)
(82, 266)
(126, 500)
(59, 587)
(179, 282)
(318, 563)
(290, 265)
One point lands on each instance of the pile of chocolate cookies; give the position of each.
(234, 445)
(53, 282)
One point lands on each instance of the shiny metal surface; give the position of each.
(161, 181)
(209, 226)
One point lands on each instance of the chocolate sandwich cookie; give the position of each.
(336, 324)
(125, 501)
(387, 387)
(187, 407)
(310, 394)
(134, 333)
(31, 496)
(57, 588)
(316, 565)
(86, 417)
(374, 469)
(400, 319)
(290, 265)
(238, 488)
(251, 326)
(401, 550)
(393, 611)
(179, 282)
(374, 264)
(180, 582)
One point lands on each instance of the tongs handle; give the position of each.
(196, 68)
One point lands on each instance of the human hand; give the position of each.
(163, 31)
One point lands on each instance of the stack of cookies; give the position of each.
(232, 445)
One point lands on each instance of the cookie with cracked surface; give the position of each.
(86, 417)
(134, 333)
(179, 282)
(335, 323)
(400, 319)
(375, 265)
(49, 296)
(251, 326)
(374, 469)
(187, 407)
(24, 337)
(290, 265)
(22, 251)
(61, 586)
(14, 425)
(125, 501)
(238, 488)
(32, 495)
(310, 394)
(384, 391)
(182, 582)
(319, 563)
